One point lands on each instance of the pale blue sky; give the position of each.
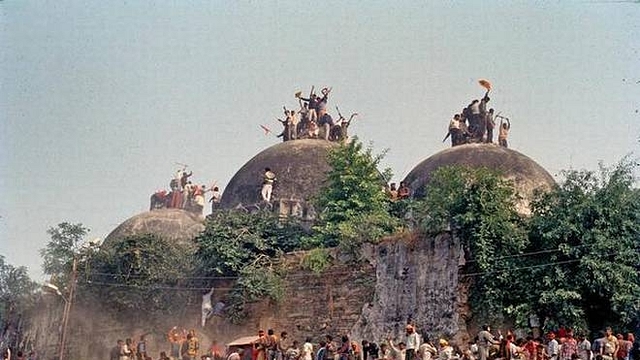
(98, 99)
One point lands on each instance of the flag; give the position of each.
(207, 308)
(485, 84)
(266, 129)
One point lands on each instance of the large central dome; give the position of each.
(526, 174)
(300, 166)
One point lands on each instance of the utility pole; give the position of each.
(67, 306)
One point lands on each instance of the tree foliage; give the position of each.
(65, 245)
(142, 272)
(256, 281)
(233, 239)
(574, 261)
(354, 207)
(592, 224)
(17, 292)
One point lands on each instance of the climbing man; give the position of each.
(269, 178)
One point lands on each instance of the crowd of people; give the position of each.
(562, 344)
(312, 121)
(559, 345)
(476, 124)
(182, 345)
(185, 195)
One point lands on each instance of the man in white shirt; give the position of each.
(267, 184)
(584, 348)
(553, 347)
(413, 342)
(307, 350)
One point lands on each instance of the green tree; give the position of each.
(590, 229)
(232, 239)
(146, 273)
(353, 206)
(17, 296)
(478, 207)
(65, 245)
(256, 281)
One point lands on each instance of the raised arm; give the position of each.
(393, 347)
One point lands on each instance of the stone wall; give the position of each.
(318, 304)
(416, 281)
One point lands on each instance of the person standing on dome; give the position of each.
(504, 132)
(454, 131)
(294, 121)
(187, 195)
(215, 198)
(269, 179)
(322, 102)
(312, 102)
(491, 124)
(198, 199)
(185, 178)
(474, 120)
(482, 129)
(286, 130)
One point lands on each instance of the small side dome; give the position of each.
(526, 174)
(175, 225)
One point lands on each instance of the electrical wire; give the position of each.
(532, 253)
(206, 277)
(460, 275)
